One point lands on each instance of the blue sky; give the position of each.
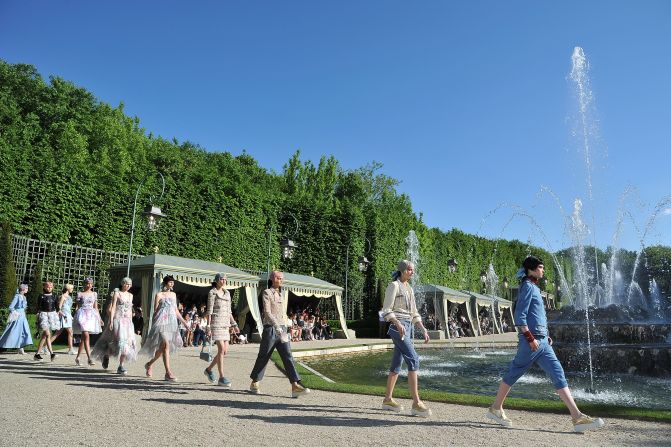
(468, 104)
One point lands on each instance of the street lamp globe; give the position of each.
(154, 216)
(452, 265)
(288, 247)
(363, 264)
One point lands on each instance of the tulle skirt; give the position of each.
(164, 329)
(120, 340)
(87, 320)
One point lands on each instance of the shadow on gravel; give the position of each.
(318, 415)
(84, 377)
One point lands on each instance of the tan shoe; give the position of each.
(392, 405)
(499, 416)
(421, 410)
(299, 390)
(584, 423)
(254, 388)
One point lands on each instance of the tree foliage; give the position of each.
(72, 166)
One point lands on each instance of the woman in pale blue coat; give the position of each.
(17, 332)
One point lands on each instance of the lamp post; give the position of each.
(452, 265)
(287, 245)
(153, 213)
(363, 266)
(505, 287)
(483, 280)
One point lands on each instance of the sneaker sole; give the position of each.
(584, 427)
(498, 420)
(392, 408)
(297, 395)
(421, 414)
(226, 387)
(213, 380)
(254, 391)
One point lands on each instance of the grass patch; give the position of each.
(546, 406)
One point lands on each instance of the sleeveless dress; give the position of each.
(17, 332)
(66, 310)
(119, 338)
(87, 318)
(164, 327)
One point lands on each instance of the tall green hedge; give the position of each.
(72, 165)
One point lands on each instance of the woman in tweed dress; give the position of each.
(219, 321)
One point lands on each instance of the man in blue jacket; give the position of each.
(535, 346)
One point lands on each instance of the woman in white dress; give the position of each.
(163, 337)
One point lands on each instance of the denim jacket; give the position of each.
(530, 310)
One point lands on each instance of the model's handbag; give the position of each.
(207, 356)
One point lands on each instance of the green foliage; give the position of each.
(35, 289)
(72, 166)
(8, 281)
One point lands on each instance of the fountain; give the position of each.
(609, 325)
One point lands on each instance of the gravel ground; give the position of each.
(59, 404)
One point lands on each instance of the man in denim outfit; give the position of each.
(535, 346)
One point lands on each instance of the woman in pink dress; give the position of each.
(87, 319)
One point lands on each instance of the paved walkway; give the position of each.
(58, 404)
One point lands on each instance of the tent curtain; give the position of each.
(439, 309)
(253, 306)
(343, 323)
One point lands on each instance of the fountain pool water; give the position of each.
(479, 372)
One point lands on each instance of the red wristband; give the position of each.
(529, 336)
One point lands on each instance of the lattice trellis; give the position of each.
(64, 263)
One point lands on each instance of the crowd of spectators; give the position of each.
(308, 324)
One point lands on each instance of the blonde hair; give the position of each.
(68, 288)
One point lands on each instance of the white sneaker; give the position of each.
(299, 390)
(421, 410)
(21, 351)
(392, 405)
(71, 351)
(499, 416)
(584, 423)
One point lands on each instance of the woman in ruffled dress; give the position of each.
(119, 338)
(47, 319)
(163, 337)
(17, 332)
(65, 315)
(219, 323)
(87, 319)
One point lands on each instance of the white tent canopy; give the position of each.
(148, 272)
(441, 296)
(309, 286)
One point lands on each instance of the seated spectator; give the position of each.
(138, 321)
(235, 338)
(188, 339)
(309, 328)
(326, 329)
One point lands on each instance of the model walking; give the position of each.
(65, 316)
(219, 323)
(87, 319)
(400, 310)
(274, 336)
(47, 319)
(119, 337)
(535, 346)
(163, 337)
(17, 332)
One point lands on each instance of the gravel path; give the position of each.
(58, 404)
